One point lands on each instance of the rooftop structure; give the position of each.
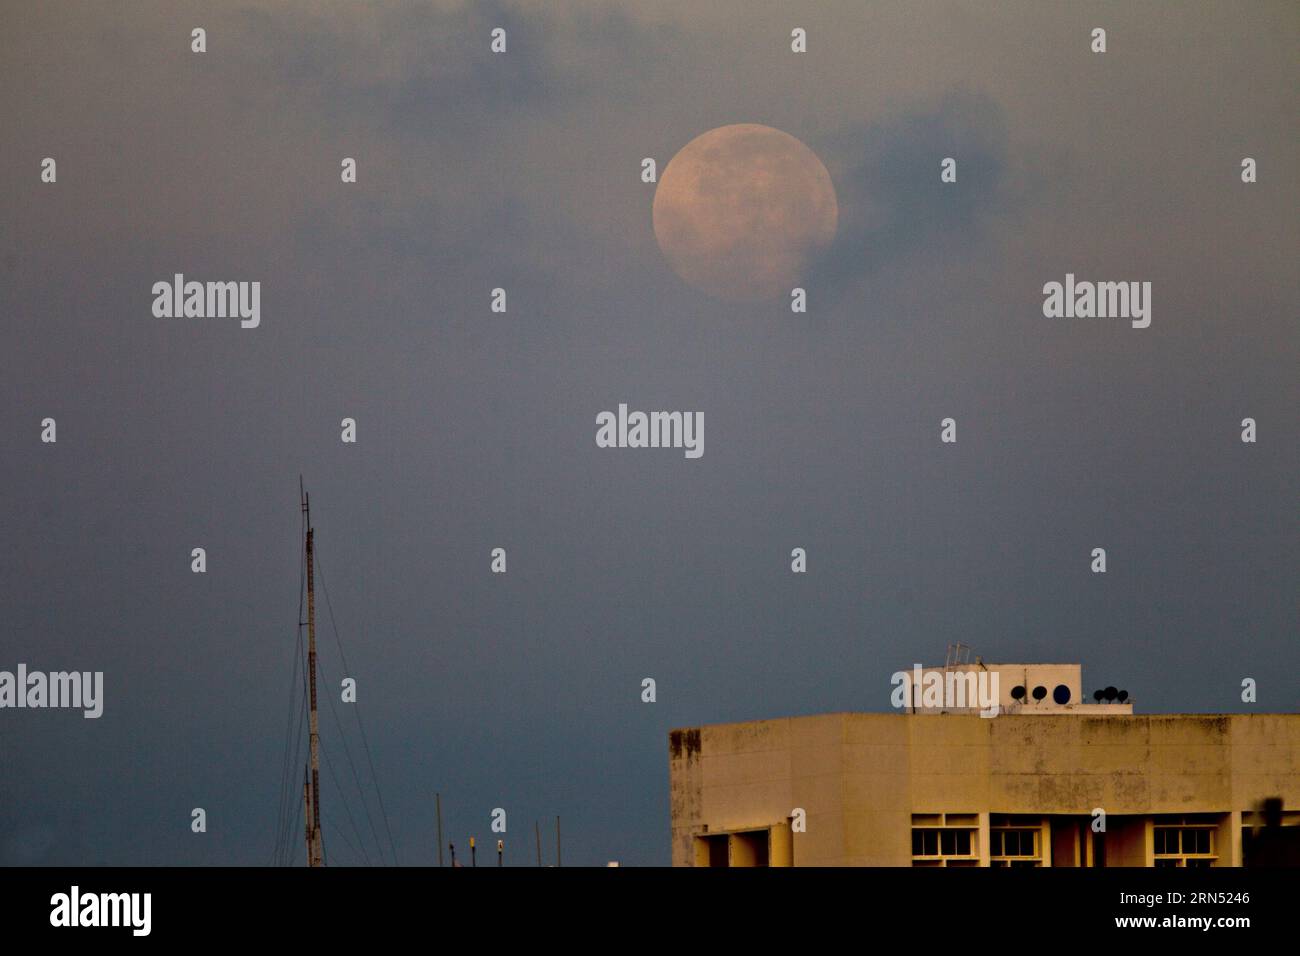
(1051, 778)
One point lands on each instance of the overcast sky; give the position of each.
(476, 430)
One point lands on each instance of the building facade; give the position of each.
(1050, 781)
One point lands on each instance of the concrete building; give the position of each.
(1051, 780)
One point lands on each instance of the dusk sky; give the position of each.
(476, 430)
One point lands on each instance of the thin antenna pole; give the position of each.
(438, 801)
(558, 859)
(306, 805)
(537, 832)
(314, 855)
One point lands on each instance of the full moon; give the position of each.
(741, 210)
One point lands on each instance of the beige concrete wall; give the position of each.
(859, 777)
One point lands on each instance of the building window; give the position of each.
(1015, 841)
(743, 848)
(944, 840)
(1182, 844)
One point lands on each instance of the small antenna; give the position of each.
(438, 803)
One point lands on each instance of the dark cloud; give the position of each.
(427, 71)
(892, 202)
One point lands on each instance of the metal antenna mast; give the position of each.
(315, 857)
